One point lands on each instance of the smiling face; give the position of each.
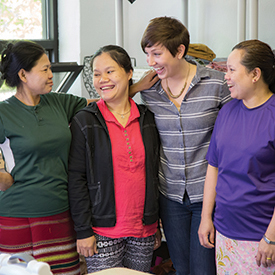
(110, 80)
(239, 80)
(163, 62)
(39, 79)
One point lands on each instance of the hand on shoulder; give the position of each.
(148, 79)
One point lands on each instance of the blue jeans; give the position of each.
(181, 223)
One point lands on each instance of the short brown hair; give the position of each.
(168, 32)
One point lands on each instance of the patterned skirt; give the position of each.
(48, 239)
(234, 257)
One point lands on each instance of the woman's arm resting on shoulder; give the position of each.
(87, 246)
(206, 230)
(148, 79)
(266, 252)
(89, 100)
(6, 180)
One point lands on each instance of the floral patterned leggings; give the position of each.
(234, 257)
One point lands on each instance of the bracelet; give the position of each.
(267, 240)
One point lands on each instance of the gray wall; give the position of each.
(85, 25)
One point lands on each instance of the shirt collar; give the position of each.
(108, 116)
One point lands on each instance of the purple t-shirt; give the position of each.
(243, 149)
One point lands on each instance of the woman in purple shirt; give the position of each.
(240, 178)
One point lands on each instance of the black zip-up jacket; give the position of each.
(91, 183)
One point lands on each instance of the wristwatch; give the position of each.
(267, 240)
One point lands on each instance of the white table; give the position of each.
(118, 271)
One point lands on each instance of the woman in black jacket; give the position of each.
(113, 171)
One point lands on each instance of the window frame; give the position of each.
(51, 45)
(50, 26)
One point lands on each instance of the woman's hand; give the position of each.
(148, 79)
(266, 254)
(206, 230)
(87, 247)
(158, 237)
(206, 233)
(6, 180)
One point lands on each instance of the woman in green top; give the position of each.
(35, 141)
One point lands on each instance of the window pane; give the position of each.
(5, 91)
(21, 19)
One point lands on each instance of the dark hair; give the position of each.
(21, 55)
(257, 54)
(119, 55)
(168, 32)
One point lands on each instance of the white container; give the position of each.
(22, 264)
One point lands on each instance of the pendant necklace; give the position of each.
(121, 115)
(177, 96)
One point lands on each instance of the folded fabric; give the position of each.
(219, 66)
(199, 50)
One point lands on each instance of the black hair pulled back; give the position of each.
(21, 55)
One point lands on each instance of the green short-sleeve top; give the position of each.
(35, 142)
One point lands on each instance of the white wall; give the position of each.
(69, 38)
(267, 22)
(85, 25)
